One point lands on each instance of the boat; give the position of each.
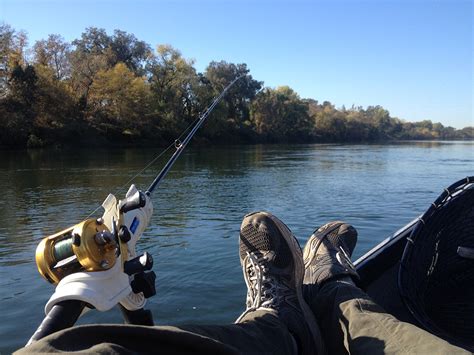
(424, 273)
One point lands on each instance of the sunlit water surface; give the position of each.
(193, 235)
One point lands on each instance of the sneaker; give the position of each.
(327, 254)
(273, 269)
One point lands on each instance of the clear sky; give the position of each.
(413, 57)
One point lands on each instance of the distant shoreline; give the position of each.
(200, 143)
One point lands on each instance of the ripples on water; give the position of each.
(198, 210)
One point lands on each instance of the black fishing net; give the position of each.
(436, 278)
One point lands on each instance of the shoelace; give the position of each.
(263, 289)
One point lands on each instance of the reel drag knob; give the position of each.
(139, 264)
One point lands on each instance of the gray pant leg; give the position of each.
(259, 332)
(352, 323)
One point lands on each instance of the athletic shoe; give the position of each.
(327, 254)
(273, 269)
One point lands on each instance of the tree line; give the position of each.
(104, 89)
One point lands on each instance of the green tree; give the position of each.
(174, 82)
(16, 121)
(116, 86)
(54, 53)
(57, 119)
(126, 48)
(12, 54)
(280, 115)
(330, 125)
(93, 40)
(97, 51)
(85, 67)
(119, 100)
(232, 118)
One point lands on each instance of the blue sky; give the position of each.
(412, 57)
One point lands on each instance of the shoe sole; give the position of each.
(312, 245)
(298, 277)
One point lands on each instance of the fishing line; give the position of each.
(150, 163)
(191, 128)
(135, 176)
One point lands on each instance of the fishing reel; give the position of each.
(95, 260)
(87, 246)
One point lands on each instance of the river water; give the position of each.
(193, 235)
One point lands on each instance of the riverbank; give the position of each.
(88, 93)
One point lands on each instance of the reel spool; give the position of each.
(86, 246)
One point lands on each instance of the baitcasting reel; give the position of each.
(89, 245)
(95, 260)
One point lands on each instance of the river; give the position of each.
(193, 235)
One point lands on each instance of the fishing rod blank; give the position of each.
(181, 145)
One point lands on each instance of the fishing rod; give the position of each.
(181, 145)
(94, 263)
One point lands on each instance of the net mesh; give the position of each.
(435, 281)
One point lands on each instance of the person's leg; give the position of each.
(351, 322)
(258, 332)
(261, 332)
(277, 319)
